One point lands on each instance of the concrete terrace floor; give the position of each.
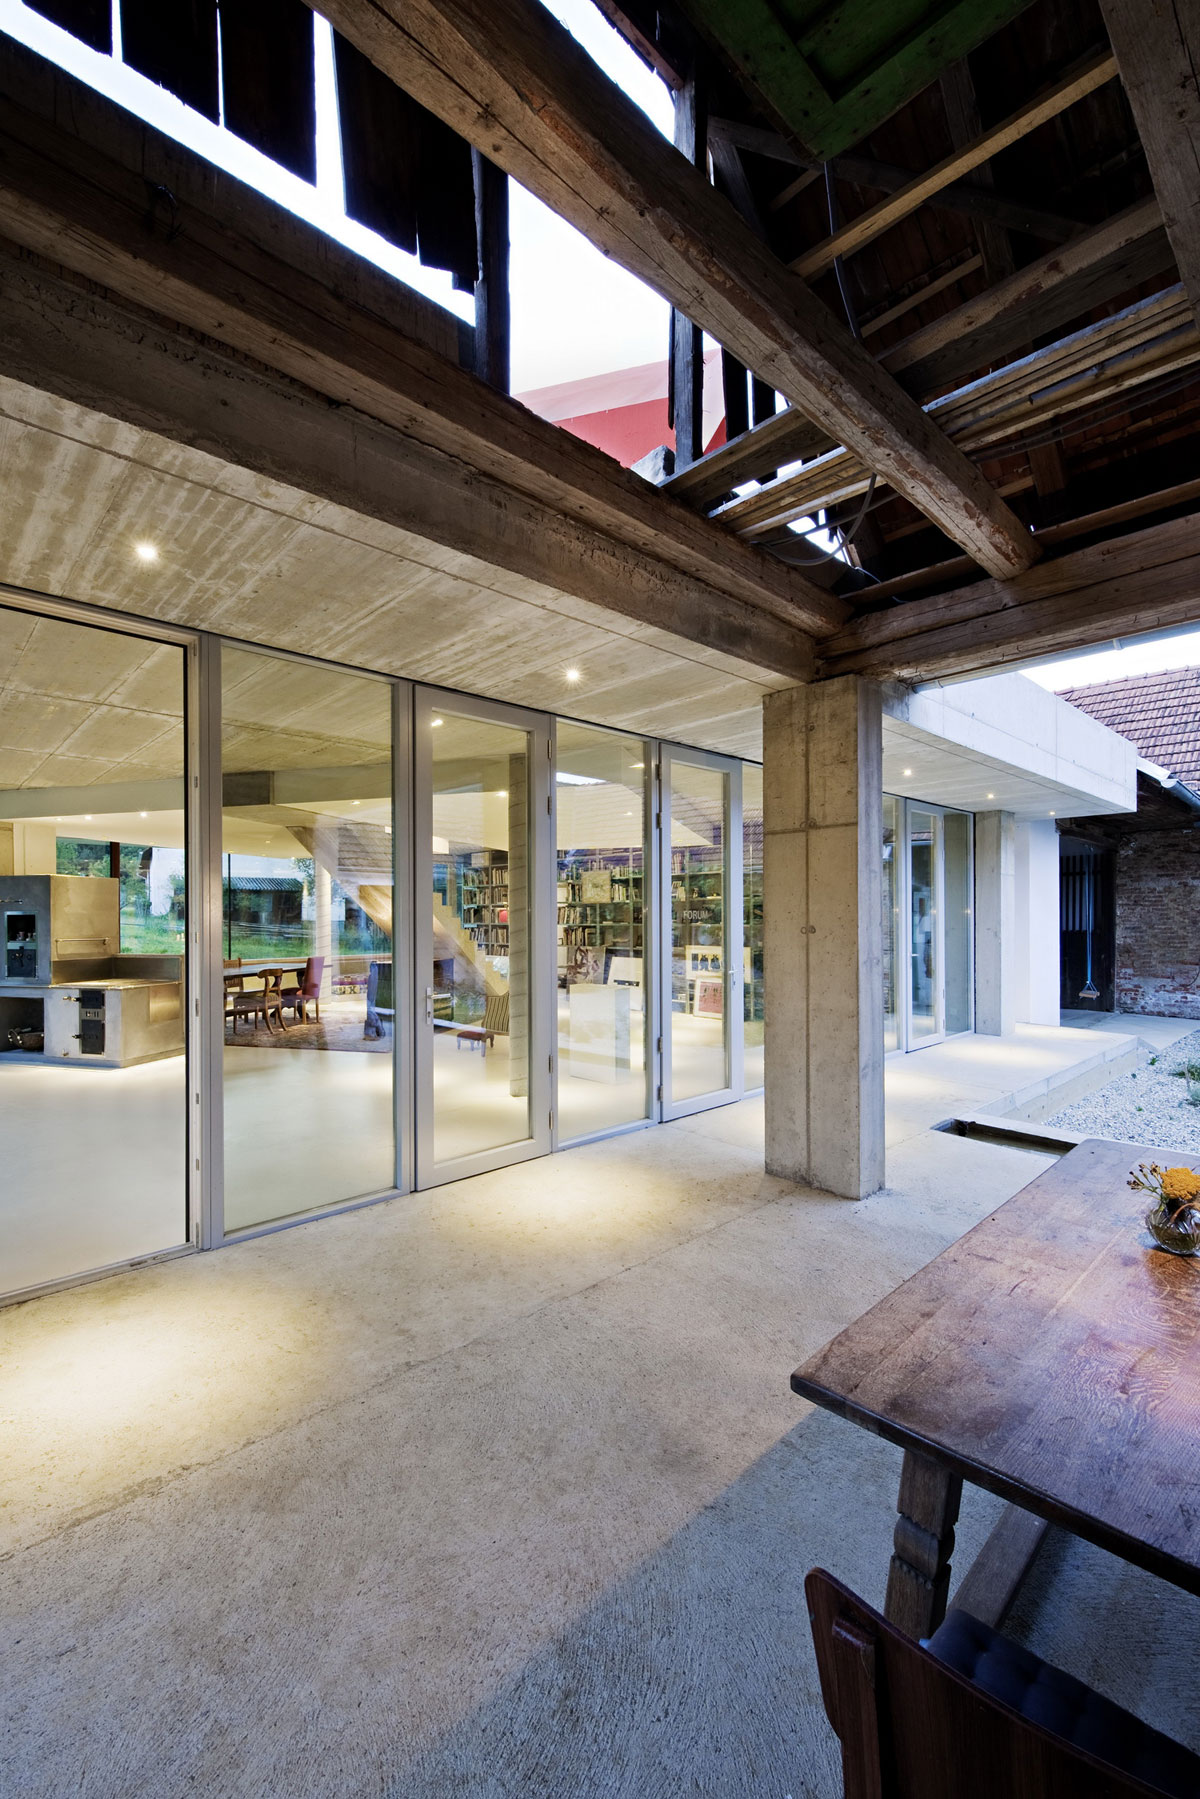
(497, 1490)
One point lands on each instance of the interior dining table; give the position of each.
(1051, 1356)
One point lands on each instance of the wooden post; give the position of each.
(687, 340)
(493, 312)
(919, 1577)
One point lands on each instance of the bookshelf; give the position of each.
(483, 903)
(697, 918)
(600, 905)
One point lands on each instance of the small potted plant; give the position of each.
(1174, 1218)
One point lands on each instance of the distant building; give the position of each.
(1131, 885)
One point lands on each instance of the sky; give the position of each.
(575, 312)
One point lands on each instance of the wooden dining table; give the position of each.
(1052, 1356)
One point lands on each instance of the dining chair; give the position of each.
(250, 1002)
(971, 1712)
(307, 991)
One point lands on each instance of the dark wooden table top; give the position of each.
(1051, 1356)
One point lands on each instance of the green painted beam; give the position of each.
(829, 74)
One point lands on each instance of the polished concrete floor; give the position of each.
(494, 1490)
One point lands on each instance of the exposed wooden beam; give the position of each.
(227, 262)
(1095, 268)
(507, 76)
(1146, 341)
(687, 339)
(62, 335)
(1142, 582)
(877, 219)
(493, 304)
(971, 198)
(965, 125)
(829, 75)
(1157, 43)
(957, 271)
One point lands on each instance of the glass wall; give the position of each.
(307, 924)
(601, 898)
(958, 912)
(475, 1050)
(93, 906)
(928, 877)
(752, 922)
(697, 1045)
(892, 1020)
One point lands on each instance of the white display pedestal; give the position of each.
(600, 1032)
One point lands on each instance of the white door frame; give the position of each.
(732, 934)
(430, 703)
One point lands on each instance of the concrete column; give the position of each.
(995, 923)
(823, 935)
(324, 851)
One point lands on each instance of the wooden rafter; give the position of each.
(1147, 580)
(1091, 271)
(1158, 50)
(973, 199)
(1151, 339)
(228, 263)
(880, 218)
(508, 77)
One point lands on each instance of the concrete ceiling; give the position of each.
(254, 559)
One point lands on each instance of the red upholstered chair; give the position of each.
(308, 991)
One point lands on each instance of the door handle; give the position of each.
(429, 1005)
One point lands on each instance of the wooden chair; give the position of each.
(920, 1722)
(307, 991)
(495, 1024)
(249, 1002)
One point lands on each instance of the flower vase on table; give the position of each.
(1174, 1218)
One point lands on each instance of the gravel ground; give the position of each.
(1148, 1106)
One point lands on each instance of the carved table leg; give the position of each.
(919, 1577)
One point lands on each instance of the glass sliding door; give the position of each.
(752, 924)
(601, 788)
(893, 1018)
(958, 887)
(307, 892)
(481, 814)
(928, 878)
(702, 990)
(93, 976)
(925, 946)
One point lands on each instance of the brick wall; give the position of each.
(1158, 923)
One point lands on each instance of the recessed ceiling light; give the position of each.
(572, 674)
(435, 722)
(991, 796)
(388, 829)
(907, 772)
(88, 817)
(502, 793)
(1052, 815)
(356, 802)
(145, 552)
(637, 765)
(143, 815)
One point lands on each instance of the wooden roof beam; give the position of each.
(510, 79)
(1158, 51)
(872, 223)
(972, 199)
(1090, 271)
(231, 264)
(1145, 581)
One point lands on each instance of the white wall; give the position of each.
(1035, 927)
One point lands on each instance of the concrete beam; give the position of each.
(823, 935)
